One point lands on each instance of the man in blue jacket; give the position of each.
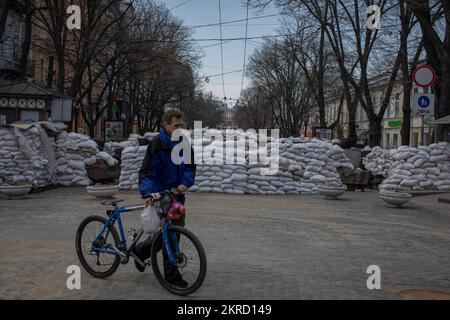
(159, 173)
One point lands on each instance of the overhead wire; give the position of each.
(221, 47)
(245, 50)
(181, 4)
(230, 22)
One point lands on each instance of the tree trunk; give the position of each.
(61, 73)
(51, 65)
(405, 17)
(5, 6)
(352, 121)
(406, 123)
(26, 44)
(375, 130)
(443, 92)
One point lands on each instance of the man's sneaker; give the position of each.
(173, 276)
(177, 282)
(139, 267)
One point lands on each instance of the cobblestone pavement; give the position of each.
(258, 247)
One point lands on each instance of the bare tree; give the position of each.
(254, 110)
(437, 45)
(314, 58)
(274, 69)
(51, 17)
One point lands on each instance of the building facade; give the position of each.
(41, 76)
(336, 112)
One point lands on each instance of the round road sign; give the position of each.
(424, 76)
(424, 102)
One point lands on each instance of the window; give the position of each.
(397, 105)
(387, 113)
(395, 140)
(386, 142)
(415, 139)
(416, 90)
(426, 139)
(426, 90)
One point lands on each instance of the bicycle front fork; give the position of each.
(173, 238)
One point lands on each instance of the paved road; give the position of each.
(258, 247)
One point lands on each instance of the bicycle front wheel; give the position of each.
(98, 264)
(190, 266)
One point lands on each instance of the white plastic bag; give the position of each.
(150, 219)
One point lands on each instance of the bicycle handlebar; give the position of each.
(157, 195)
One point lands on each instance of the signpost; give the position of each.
(423, 105)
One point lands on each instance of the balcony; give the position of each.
(14, 67)
(20, 6)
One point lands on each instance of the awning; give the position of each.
(444, 120)
(25, 89)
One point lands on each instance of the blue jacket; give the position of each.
(158, 172)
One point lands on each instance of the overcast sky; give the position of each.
(200, 12)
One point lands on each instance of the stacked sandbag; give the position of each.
(26, 156)
(132, 158)
(14, 163)
(423, 168)
(150, 135)
(73, 152)
(43, 162)
(221, 179)
(217, 171)
(303, 165)
(313, 163)
(113, 147)
(378, 161)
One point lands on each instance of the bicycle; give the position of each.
(168, 244)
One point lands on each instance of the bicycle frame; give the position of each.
(123, 247)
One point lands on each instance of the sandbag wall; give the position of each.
(32, 156)
(303, 165)
(379, 161)
(74, 152)
(422, 168)
(26, 157)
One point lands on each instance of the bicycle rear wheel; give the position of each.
(191, 263)
(98, 264)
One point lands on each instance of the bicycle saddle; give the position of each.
(111, 203)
